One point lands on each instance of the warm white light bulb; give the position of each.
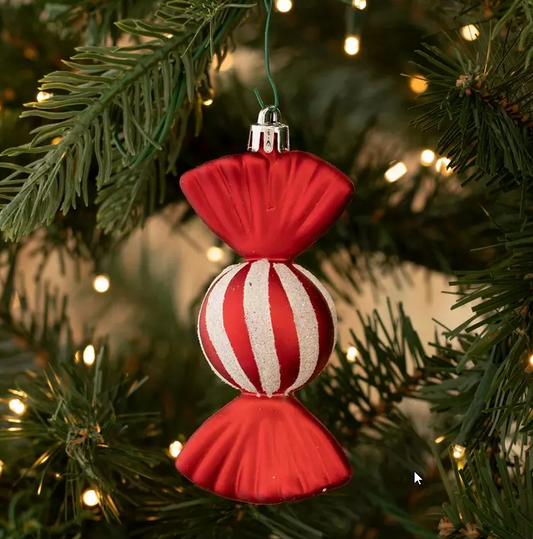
(359, 4)
(90, 498)
(89, 355)
(208, 102)
(351, 354)
(529, 367)
(43, 96)
(395, 172)
(228, 62)
(440, 439)
(418, 84)
(283, 6)
(351, 45)
(101, 283)
(470, 32)
(175, 448)
(442, 166)
(214, 254)
(1, 467)
(427, 157)
(17, 406)
(458, 452)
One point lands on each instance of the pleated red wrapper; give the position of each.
(267, 327)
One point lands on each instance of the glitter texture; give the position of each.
(215, 281)
(327, 297)
(305, 322)
(214, 319)
(259, 323)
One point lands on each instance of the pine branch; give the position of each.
(484, 103)
(78, 423)
(95, 18)
(498, 382)
(361, 396)
(489, 502)
(118, 105)
(75, 421)
(514, 17)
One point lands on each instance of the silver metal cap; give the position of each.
(269, 131)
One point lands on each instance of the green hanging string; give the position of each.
(268, 7)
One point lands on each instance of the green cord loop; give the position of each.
(268, 7)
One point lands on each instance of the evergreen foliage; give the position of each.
(125, 118)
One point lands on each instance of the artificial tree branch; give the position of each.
(116, 107)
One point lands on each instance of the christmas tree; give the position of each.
(104, 106)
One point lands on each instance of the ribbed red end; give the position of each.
(264, 450)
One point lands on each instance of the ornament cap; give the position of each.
(269, 133)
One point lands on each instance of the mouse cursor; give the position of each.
(418, 479)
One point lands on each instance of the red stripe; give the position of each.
(326, 332)
(236, 329)
(285, 336)
(209, 349)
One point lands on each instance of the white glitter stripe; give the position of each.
(214, 321)
(305, 321)
(259, 323)
(215, 281)
(327, 297)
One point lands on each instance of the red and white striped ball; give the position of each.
(267, 327)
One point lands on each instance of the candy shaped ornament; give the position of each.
(267, 326)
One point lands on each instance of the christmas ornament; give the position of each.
(267, 326)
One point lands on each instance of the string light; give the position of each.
(89, 355)
(458, 452)
(91, 498)
(395, 172)
(214, 254)
(208, 102)
(442, 166)
(418, 84)
(359, 4)
(529, 367)
(101, 283)
(1, 466)
(283, 6)
(175, 449)
(351, 354)
(440, 439)
(351, 45)
(17, 406)
(427, 157)
(56, 140)
(470, 32)
(43, 96)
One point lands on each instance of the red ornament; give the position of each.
(267, 326)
